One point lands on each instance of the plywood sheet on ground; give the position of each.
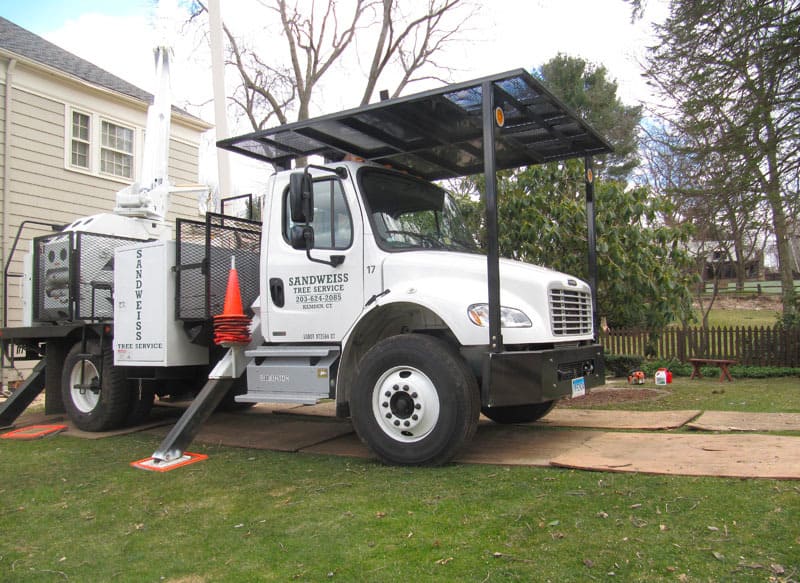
(326, 409)
(269, 432)
(160, 416)
(260, 408)
(151, 424)
(593, 418)
(492, 444)
(37, 418)
(736, 456)
(520, 446)
(735, 421)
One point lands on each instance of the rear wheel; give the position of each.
(518, 414)
(415, 401)
(94, 401)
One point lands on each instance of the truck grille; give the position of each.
(570, 312)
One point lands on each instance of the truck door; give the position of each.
(311, 301)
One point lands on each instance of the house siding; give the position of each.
(2, 132)
(42, 188)
(44, 86)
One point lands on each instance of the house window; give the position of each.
(99, 146)
(80, 140)
(116, 150)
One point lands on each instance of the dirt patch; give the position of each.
(762, 302)
(612, 395)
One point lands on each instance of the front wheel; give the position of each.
(415, 401)
(95, 392)
(518, 414)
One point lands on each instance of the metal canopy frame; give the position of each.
(436, 134)
(450, 132)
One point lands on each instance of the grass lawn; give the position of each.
(752, 395)
(74, 511)
(742, 317)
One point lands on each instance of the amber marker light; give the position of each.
(499, 116)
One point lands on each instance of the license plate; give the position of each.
(578, 387)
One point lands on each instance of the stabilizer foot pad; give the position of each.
(154, 465)
(34, 432)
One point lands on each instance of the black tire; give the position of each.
(105, 405)
(415, 401)
(518, 414)
(142, 396)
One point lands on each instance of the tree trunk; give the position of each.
(784, 259)
(776, 203)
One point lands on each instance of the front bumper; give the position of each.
(530, 377)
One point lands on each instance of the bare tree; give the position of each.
(413, 45)
(404, 37)
(731, 70)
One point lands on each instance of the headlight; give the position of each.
(509, 317)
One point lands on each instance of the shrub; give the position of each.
(622, 364)
(763, 372)
(678, 369)
(681, 369)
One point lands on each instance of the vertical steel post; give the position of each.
(591, 238)
(493, 251)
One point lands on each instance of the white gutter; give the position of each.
(6, 162)
(6, 191)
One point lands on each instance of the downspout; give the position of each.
(6, 158)
(6, 189)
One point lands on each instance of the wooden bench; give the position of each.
(722, 363)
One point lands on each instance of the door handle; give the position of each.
(276, 291)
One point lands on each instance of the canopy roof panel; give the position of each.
(437, 134)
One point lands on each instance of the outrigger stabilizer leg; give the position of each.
(186, 429)
(23, 396)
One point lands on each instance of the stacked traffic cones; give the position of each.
(232, 326)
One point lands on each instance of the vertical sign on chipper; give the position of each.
(138, 304)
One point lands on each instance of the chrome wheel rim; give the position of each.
(405, 404)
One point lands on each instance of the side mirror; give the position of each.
(301, 197)
(302, 237)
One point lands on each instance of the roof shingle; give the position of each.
(24, 43)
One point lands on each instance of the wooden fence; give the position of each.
(757, 346)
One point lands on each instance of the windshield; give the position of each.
(408, 213)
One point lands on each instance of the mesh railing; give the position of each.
(74, 276)
(52, 278)
(94, 263)
(203, 261)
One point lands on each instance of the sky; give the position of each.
(118, 35)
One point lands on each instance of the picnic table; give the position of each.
(722, 363)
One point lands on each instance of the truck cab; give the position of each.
(381, 271)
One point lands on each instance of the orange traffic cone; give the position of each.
(233, 295)
(232, 326)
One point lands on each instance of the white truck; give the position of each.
(363, 284)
